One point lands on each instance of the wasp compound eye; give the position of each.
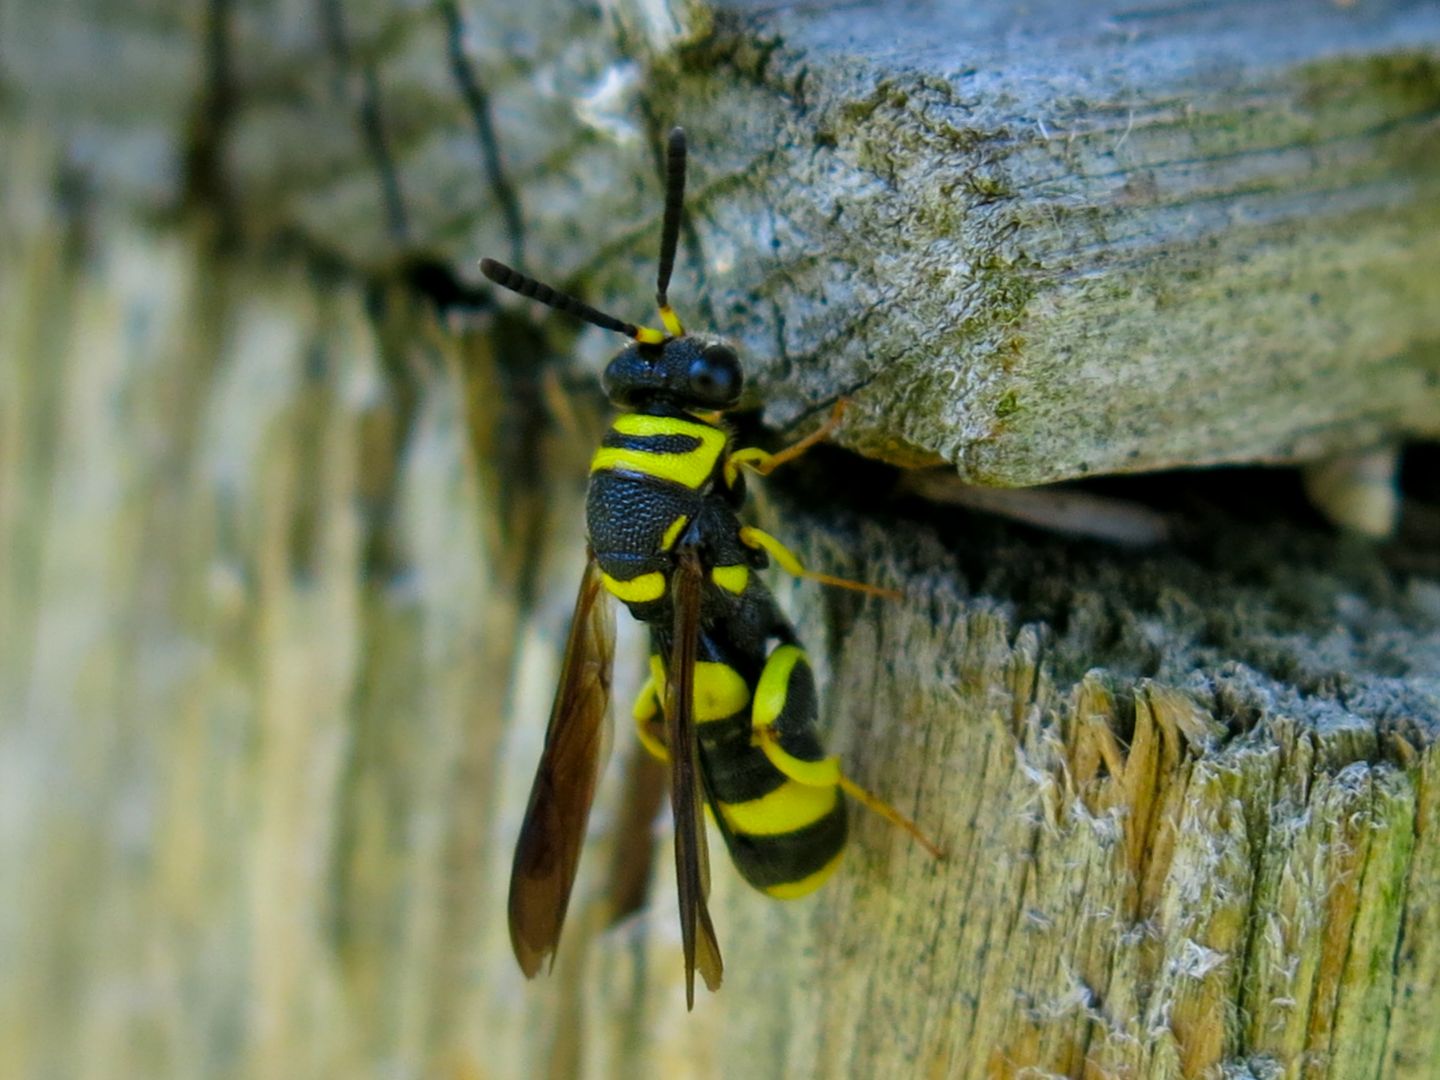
(721, 356)
(715, 375)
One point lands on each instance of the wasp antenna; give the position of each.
(515, 281)
(670, 231)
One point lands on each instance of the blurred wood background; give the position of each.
(290, 519)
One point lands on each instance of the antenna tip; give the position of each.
(495, 271)
(677, 136)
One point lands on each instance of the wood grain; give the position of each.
(290, 511)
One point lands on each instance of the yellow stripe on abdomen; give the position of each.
(793, 890)
(719, 691)
(789, 807)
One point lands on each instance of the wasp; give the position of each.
(730, 703)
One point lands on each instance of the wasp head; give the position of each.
(693, 371)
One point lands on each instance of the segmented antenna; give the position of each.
(674, 200)
(515, 281)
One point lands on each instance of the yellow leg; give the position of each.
(827, 772)
(822, 773)
(889, 813)
(786, 559)
(650, 733)
(763, 463)
(650, 722)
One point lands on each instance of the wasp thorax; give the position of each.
(691, 372)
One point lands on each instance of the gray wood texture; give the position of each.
(1081, 238)
(285, 553)
(1092, 237)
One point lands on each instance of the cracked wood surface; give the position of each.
(284, 559)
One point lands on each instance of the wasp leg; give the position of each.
(827, 773)
(763, 463)
(787, 560)
(772, 697)
(875, 804)
(649, 721)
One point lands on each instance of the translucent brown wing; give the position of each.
(576, 741)
(632, 853)
(692, 860)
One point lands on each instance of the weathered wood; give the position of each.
(1087, 239)
(261, 801)
(285, 556)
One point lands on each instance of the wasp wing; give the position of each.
(692, 860)
(633, 854)
(576, 740)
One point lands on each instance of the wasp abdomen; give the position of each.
(787, 840)
(766, 776)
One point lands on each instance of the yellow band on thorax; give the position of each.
(690, 468)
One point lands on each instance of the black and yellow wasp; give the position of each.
(730, 702)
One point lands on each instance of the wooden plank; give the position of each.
(285, 553)
(271, 708)
(1092, 238)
